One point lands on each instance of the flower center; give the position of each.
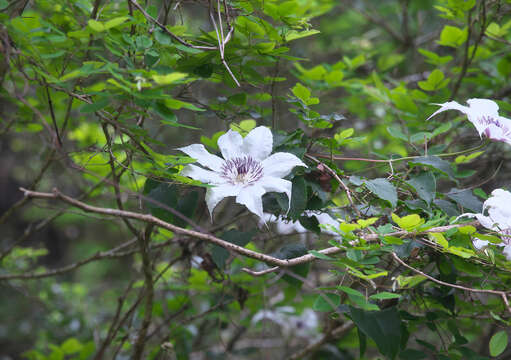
(242, 170)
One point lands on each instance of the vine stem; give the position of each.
(390, 161)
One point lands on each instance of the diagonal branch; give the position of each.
(150, 219)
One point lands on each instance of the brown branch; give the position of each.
(502, 294)
(160, 223)
(213, 239)
(367, 238)
(143, 241)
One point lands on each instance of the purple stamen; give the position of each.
(242, 170)
(490, 120)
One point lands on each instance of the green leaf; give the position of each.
(498, 343)
(396, 132)
(321, 304)
(384, 327)
(383, 189)
(169, 78)
(425, 185)
(439, 239)
(71, 346)
(435, 59)
(463, 159)
(408, 222)
(434, 82)
(321, 256)
(384, 295)
(350, 291)
(304, 94)
(298, 197)
(466, 199)
(170, 201)
(434, 162)
(453, 36)
(294, 35)
(98, 26)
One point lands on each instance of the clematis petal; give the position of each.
(275, 184)
(485, 221)
(215, 194)
(230, 144)
(280, 164)
(450, 105)
(202, 175)
(250, 196)
(199, 152)
(499, 208)
(258, 143)
(507, 252)
(484, 106)
(496, 133)
(479, 244)
(480, 111)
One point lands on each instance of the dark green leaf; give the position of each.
(466, 199)
(383, 189)
(326, 302)
(384, 327)
(298, 198)
(425, 185)
(434, 162)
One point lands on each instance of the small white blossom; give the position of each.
(304, 325)
(290, 227)
(247, 169)
(484, 114)
(498, 207)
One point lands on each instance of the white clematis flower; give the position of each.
(247, 169)
(484, 114)
(498, 219)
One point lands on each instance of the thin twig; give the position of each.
(502, 294)
(168, 32)
(339, 180)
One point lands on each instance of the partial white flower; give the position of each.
(498, 207)
(484, 114)
(289, 227)
(247, 169)
(304, 325)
